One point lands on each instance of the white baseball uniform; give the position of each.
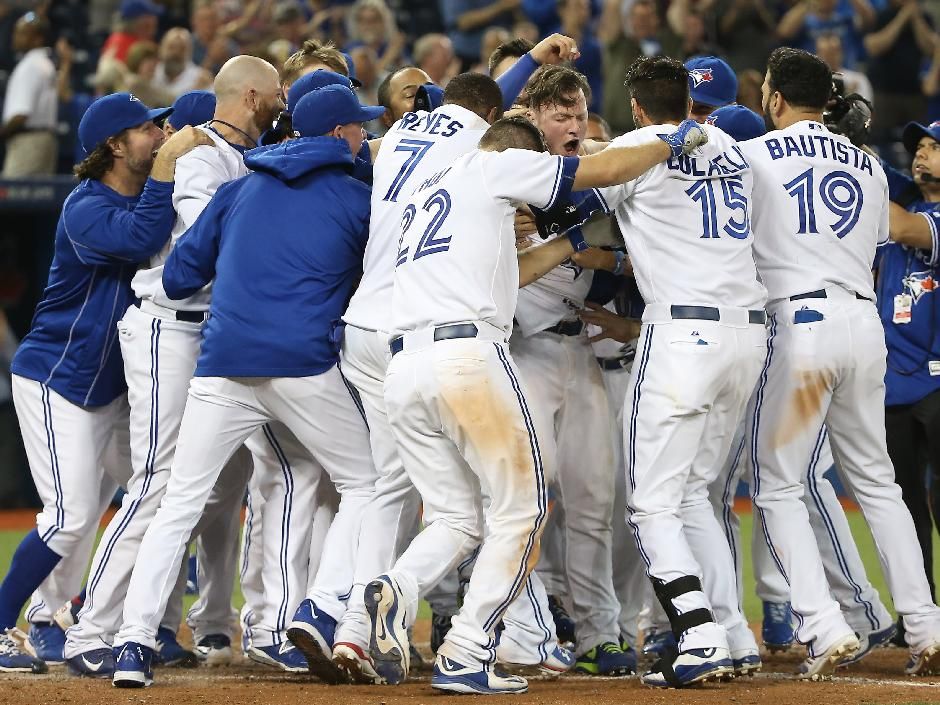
(698, 359)
(159, 351)
(455, 403)
(821, 207)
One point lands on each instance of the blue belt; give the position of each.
(710, 313)
(458, 330)
(821, 294)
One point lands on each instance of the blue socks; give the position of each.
(31, 564)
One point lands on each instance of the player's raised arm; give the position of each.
(617, 165)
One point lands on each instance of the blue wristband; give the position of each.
(621, 260)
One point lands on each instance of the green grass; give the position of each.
(752, 607)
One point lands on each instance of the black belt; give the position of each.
(821, 294)
(458, 330)
(566, 328)
(710, 313)
(186, 316)
(614, 363)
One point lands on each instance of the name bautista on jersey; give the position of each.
(726, 164)
(819, 146)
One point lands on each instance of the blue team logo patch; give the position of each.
(919, 283)
(700, 76)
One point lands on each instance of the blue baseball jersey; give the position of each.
(284, 247)
(913, 347)
(100, 239)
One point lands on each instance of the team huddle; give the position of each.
(385, 344)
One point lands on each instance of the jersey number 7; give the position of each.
(416, 149)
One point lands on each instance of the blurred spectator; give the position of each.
(641, 34)
(575, 20)
(694, 39)
(902, 38)
(506, 54)
(370, 22)
(396, 92)
(805, 21)
(138, 76)
(750, 93)
(420, 17)
(290, 23)
(548, 16)
(211, 48)
(434, 54)
(492, 38)
(526, 30)
(30, 106)
(312, 55)
(466, 20)
(745, 29)
(930, 85)
(139, 22)
(176, 72)
(365, 62)
(829, 49)
(12, 455)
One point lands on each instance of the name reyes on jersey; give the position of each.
(725, 164)
(431, 124)
(819, 146)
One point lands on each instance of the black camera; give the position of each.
(848, 115)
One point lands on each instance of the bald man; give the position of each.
(160, 341)
(30, 108)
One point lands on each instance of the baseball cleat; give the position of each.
(170, 653)
(870, 641)
(440, 625)
(388, 644)
(453, 677)
(658, 643)
(564, 624)
(67, 615)
(15, 657)
(690, 667)
(285, 657)
(95, 663)
(559, 660)
(214, 650)
(356, 663)
(607, 659)
(777, 628)
(48, 642)
(821, 667)
(133, 666)
(192, 577)
(926, 662)
(312, 632)
(629, 652)
(745, 663)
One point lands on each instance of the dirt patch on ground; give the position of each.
(878, 680)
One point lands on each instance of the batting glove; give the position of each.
(687, 137)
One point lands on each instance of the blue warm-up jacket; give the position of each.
(101, 236)
(284, 246)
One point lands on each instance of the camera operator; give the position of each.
(908, 270)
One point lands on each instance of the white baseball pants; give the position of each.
(463, 425)
(831, 371)
(687, 394)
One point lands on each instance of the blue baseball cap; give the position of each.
(351, 67)
(711, 81)
(914, 131)
(112, 114)
(429, 97)
(738, 121)
(132, 9)
(322, 109)
(192, 108)
(312, 81)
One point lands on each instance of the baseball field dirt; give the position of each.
(879, 680)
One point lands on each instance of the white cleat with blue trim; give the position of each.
(388, 643)
(480, 679)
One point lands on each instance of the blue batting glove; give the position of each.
(687, 137)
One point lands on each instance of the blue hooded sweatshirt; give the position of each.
(100, 239)
(284, 245)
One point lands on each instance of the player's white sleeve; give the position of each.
(527, 176)
(612, 196)
(198, 176)
(883, 230)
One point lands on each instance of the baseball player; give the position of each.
(560, 371)
(285, 377)
(68, 387)
(697, 361)
(821, 210)
(160, 341)
(712, 84)
(454, 398)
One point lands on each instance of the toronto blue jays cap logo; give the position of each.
(920, 283)
(700, 76)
